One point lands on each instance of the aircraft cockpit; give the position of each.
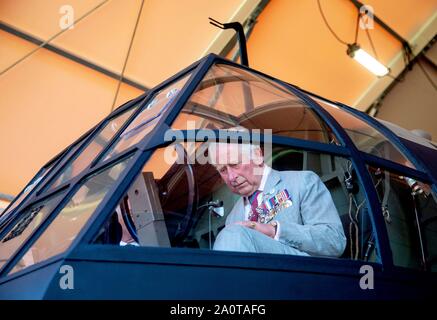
(139, 181)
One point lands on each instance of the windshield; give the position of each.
(229, 96)
(62, 231)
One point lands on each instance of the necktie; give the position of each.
(254, 204)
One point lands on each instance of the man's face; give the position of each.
(237, 168)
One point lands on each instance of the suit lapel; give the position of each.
(271, 189)
(272, 181)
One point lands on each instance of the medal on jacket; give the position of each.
(276, 203)
(283, 199)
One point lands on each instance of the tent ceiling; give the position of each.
(48, 100)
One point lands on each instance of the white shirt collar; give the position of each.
(266, 172)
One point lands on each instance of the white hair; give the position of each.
(248, 151)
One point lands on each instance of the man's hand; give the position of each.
(267, 229)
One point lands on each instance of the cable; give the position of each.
(209, 228)
(426, 74)
(419, 230)
(350, 227)
(357, 246)
(360, 17)
(371, 43)
(353, 229)
(127, 57)
(356, 27)
(397, 79)
(327, 24)
(407, 55)
(409, 62)
(51, 38)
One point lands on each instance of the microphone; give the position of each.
(213, 203)
(215, 206)
(414, 185)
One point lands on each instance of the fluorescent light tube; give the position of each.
(367, 61)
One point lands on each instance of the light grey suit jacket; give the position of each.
(312, 223)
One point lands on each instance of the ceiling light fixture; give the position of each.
(354, 51)
(366, 60)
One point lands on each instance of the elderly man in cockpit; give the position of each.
(284, 212)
